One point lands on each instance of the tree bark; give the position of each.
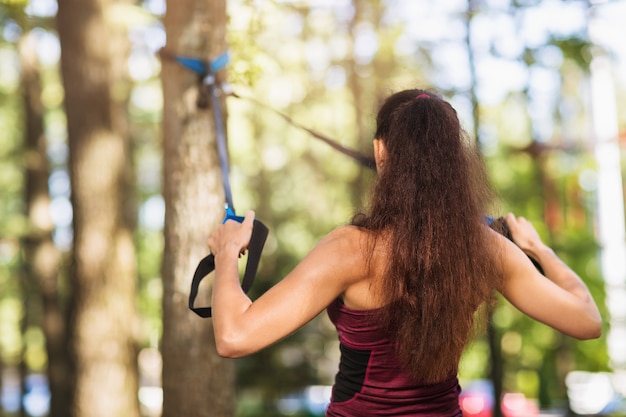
(196, 381)
(103, 278)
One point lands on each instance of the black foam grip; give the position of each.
(207, 265)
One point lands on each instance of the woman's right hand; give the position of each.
(232, 236)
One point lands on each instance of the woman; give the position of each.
(403, 282)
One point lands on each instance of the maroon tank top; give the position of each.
(370, 381)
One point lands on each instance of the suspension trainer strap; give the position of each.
(259, 230)
(222, 149)
(199, 67)
(360, 158)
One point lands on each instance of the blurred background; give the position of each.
(88, 131)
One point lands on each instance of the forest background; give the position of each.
(110, 182)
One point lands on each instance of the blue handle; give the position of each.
(230, 215)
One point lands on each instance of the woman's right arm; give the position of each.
(560, 299)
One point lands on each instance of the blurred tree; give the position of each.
(41, 256)
(539, 160)
(196, 381)
(94, 51)
(42, 319)
(365, 91)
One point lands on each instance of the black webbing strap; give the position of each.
(362, 159)
(207, 265)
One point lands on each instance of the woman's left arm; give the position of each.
(242, 327)
(559, 299)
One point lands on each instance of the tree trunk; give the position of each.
(364, 91)
(103, 278)
(196, 381)
(41, 257)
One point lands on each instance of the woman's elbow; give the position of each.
(230, 346)
(596, 330)
(592, 330)
(226, 351)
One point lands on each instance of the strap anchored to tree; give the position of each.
(259, 231)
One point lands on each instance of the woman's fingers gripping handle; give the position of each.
(232, 236)
(523, 233)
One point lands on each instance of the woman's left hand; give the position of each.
(232, 236)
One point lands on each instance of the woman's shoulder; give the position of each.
(350, 237)
(349, 231)
(347, 250)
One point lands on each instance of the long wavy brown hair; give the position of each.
(430, 198)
